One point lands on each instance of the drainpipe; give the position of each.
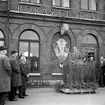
(8, 13)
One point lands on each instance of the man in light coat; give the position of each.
(5, 73)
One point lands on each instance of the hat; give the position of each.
(14, 51)
(3, 48)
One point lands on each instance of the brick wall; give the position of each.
(46, 27)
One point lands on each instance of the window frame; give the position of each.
(29, 42)
(88, 6)
(4, 0)
(3, 38)
(61, 4)
(30, 1)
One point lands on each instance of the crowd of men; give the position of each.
(13, 75)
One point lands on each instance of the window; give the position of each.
(61, 3)
(88, 4)
(89, 39)
(29, 46)
(30, 1)
(89, 47)
(1, 38)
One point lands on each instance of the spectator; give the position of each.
(16, 81)
(5, 73)
(101, 70)
(24, 74)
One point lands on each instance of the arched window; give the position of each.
(88, 4)
(29, 46)
(2, 39)
(89, 46)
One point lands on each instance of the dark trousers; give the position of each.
(65, 78)
(104, 79)
(101, 78)
(20, 91)
(24, 85)
(12, 93)
(24, 91)
(2, 97)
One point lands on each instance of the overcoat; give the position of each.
(16, 75)
(102, 73)
(5, 73)
(24, 72)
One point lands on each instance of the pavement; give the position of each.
(48, 96)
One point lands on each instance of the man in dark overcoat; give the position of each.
(24, 74)
(5, 73)
(66, 70)
(16, 75)
(103, 67)
(102, 70)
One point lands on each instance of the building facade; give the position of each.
(34, 26)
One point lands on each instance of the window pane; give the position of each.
(35, 58)
(23, 47)
(29, 35)
(1, 34)
(34, 49)
(84, 4)
(1, 38)
(89, 39)
(65, 3)
(1, 43)
(56, 2)
(24, 0)
(35, 1)
(92, 4)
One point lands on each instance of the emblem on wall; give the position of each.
(61, 46)
(61, 51)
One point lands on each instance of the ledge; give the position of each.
(58, 7)
(71, 20)
(33, 4)
(34, 74)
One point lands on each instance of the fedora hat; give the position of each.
(14, 51)
(3, 48)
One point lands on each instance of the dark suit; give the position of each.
(15, 77)
(66, 70)
(103, 67)
(102, 76)
(24, 72)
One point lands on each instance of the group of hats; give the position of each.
(4, 48)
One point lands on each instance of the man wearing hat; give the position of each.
(5, 73)
(16, 75)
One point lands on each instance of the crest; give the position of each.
(61, 46)
(61, 50)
